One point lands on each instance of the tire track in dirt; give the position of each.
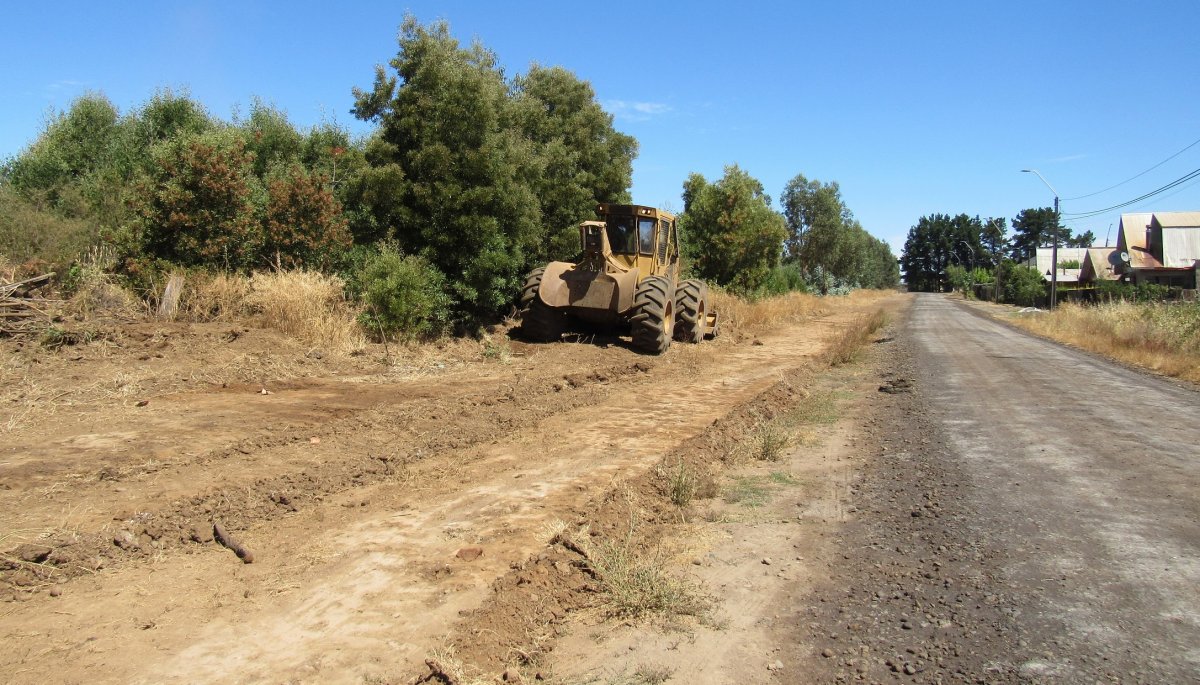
(263, 478)
(344, 591)
(507, 496)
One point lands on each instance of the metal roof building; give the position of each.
(1160, 247)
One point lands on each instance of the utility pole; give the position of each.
(1054, 250)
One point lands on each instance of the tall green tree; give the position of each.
(815, 216)
(75, 145)
(730, 233)
(939, 241)
(270, 138)
(467, 200)
(1033, 228)
(829, 244)
(993, 239)
(1085, 239)
(584, 160)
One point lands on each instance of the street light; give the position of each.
(1054, 250)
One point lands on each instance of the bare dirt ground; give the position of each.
(395, 511)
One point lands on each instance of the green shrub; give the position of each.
(783, 279)
(1021, 285)
(1128, 292)
(403, 295)
(965, 280)
(29, 233)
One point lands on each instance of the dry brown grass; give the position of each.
(1163, 337)
(844, 348)
(98, 293)
(307, 305)
(215, 297)
(740, 317)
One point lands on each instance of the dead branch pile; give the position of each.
(22, 309)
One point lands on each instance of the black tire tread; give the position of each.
(649, 327)
(688, 297)
(539, 321)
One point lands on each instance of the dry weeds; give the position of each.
(1163, 337)
(215, 297)
(309, 306)
(638, 584)
(741, 318)
(844, 348)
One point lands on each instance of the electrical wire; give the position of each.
(1182, 179)
(1080, 197)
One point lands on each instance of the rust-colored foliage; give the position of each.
(197, 208)
(304, 222)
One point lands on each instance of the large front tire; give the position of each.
(539, 321)
(653, 319)
(691, 310)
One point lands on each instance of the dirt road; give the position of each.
(1032, 516)
(382, 503)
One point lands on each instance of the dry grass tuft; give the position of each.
(98, 293)
(307, 305)
(744, 318)
(770, 441)
(680, 482)
(845, 347)
(1163, 337)
(637, 582)
(216, 297)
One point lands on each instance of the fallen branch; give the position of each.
(561, 539)
(227, 540)
(437, 670)
(7, 289)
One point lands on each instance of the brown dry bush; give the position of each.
(307, 305)
(98, 293)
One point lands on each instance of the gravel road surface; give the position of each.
(1033, 516)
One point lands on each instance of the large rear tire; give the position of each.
(691, 310)
(539, 321)
(653, 319)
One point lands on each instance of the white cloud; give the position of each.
(62, 87)
(636, 111)
(1067, 158)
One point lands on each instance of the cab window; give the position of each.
(662, 240)
(646, 236)
(622, 237)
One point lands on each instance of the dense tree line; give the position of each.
(939, 244)
(477, 175)
(735, 238)
(469, 179)
(829, 244)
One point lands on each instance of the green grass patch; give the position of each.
(782, 478)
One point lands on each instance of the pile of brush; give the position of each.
(23, 308)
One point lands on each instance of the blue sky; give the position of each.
(912, 107)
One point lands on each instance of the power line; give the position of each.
(1182, 179)
(1080, 197)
